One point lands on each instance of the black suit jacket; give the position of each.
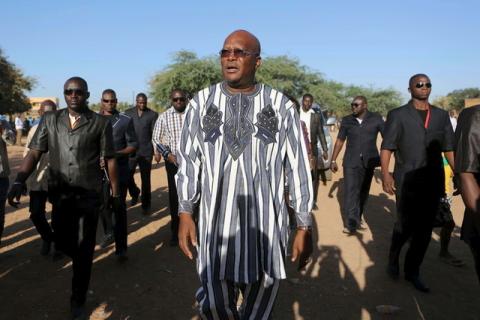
(317, 133)
(74, 154)
(361, 139)
(418, 151)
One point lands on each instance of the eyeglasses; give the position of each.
(355, 104)
(109, 101)
(237, 53)
(69, 92)
(421, 84)
(182, 99)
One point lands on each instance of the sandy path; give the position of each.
(346, 279)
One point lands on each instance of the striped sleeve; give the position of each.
(157, 136)
(189, 161)
(297, 170)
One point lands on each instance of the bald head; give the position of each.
(78, 80)
(47, 105)
(251, 40)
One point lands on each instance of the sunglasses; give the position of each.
(109, 101)
(69, 92)
(237, 53)
(182, 99)
(355, 104)
(422, 84)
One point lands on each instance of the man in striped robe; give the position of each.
(241, 143)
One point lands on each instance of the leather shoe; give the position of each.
(418, 283)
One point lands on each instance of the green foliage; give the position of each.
(457, 97)
(286, 74)
(13, 84)
(187, 72)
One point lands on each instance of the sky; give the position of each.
(122, 44)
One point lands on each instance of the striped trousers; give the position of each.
(217, 300)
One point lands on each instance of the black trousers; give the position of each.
(172, 197)
(357, 183)
(145, 165)
(474, 245)
(116, 221)
(38, 201)
(415, 215)
(74, 222)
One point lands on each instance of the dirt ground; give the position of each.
(346, 279)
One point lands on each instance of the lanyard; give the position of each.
(427, 120)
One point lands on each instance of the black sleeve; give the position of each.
(106, 141)
(391, 132)
(40, 138)
(448, 135)
(130, 135)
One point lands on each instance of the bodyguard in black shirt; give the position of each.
(144, 121)
(76, 138)
(360, 129)
(125, 143)
(417, 133)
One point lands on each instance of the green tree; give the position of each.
(284, 73)
(13, 85)
(379, 100)
(187, 72)
(457, 97)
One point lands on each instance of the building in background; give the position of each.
(472, 102)
(35, 102)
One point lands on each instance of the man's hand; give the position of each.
(172, 158)
(325, 155)
(333, 166)
(157, 157)
(302, 247)
(15, 193)
(187, 234)
(388, 183)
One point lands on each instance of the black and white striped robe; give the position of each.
(237, 152)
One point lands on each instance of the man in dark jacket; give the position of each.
(417, 133)
(314, 123)
(467, 166)
(76, 138)
(143, 121)
(360, 129)
(124, 143)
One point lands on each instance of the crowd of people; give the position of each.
(242, 162)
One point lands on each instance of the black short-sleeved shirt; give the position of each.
(74, 154)
(467, 159)
(143, 125)
(123, 134)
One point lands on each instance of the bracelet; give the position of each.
(304, 228)
(333, 161)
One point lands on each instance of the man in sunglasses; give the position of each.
(124, 143)
(166, 139)
(361, 130)
(314, 123)
(240, 144)
(76, 138)
(417, 133)
(143, 121)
